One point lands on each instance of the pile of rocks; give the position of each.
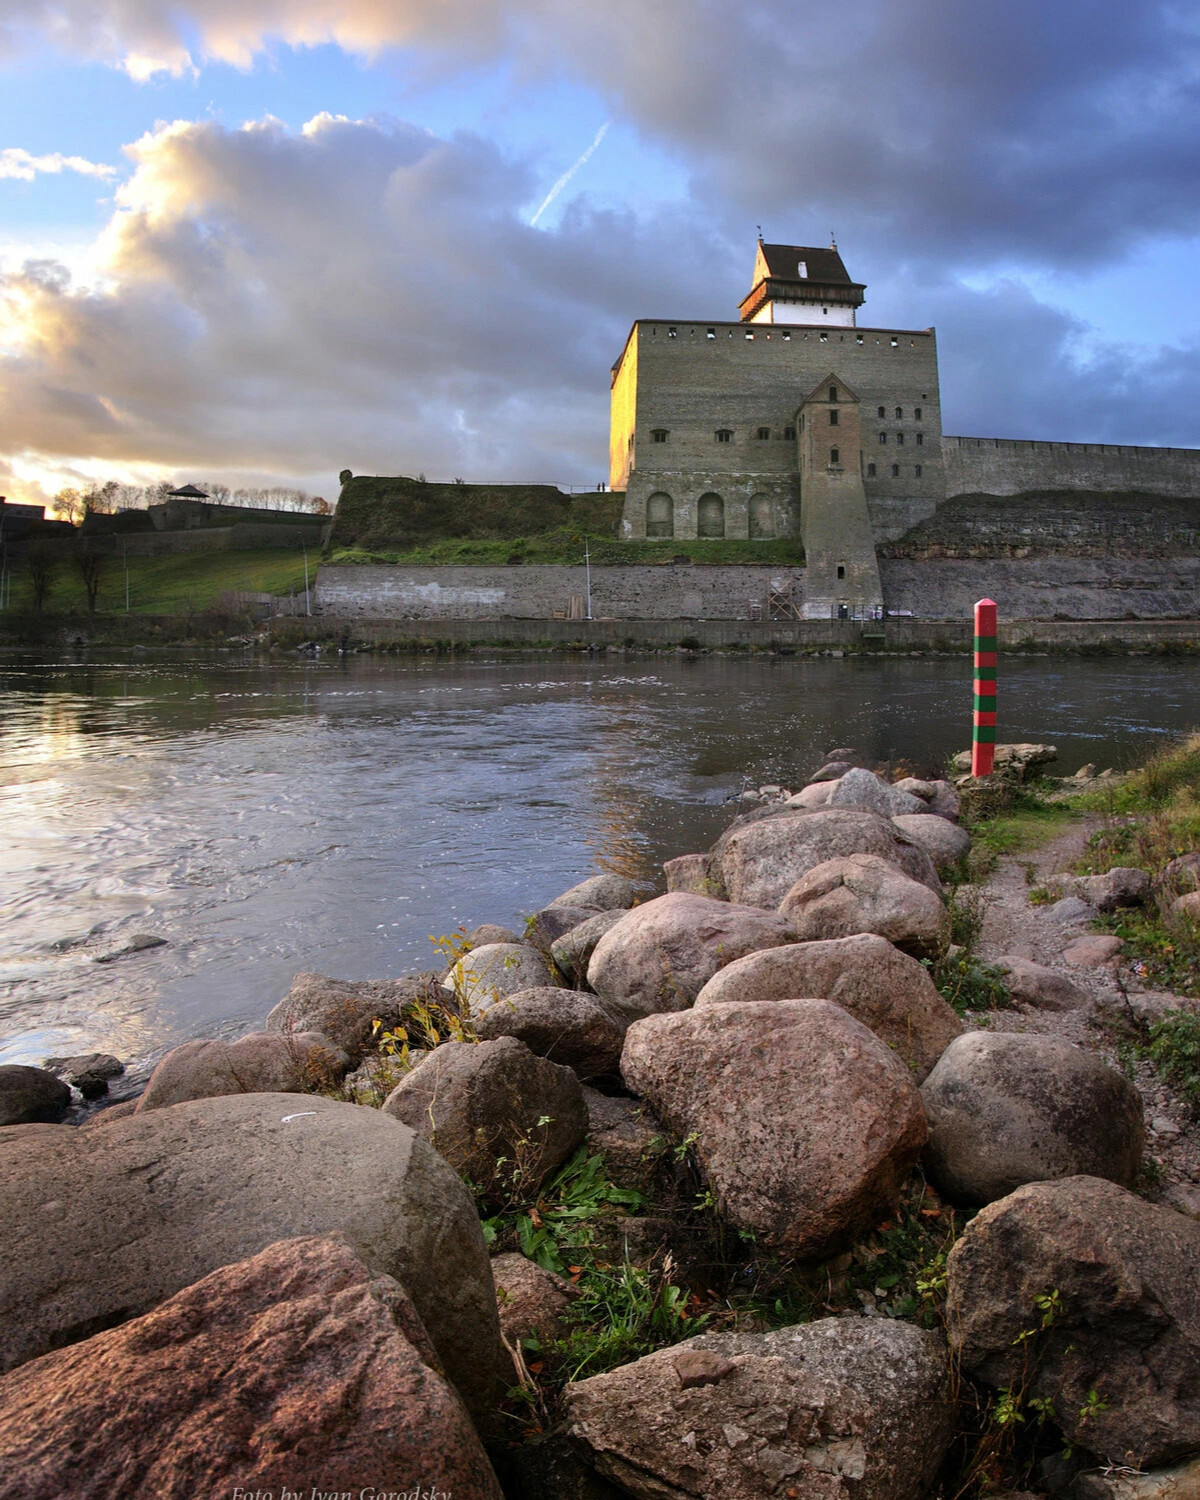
(238, 1243)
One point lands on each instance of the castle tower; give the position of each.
(801, 284)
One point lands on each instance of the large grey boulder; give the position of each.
(265, 1062)
(1043, 988)
(938, 796)
(805, 1123)
(545, 927)
(694, 875)
(889, 992)
(1125, 1322)
(1006, 1108)
(840, 1409)
(760, 861)
(864, 893)
(573, 951)
(102, 1225)
(493, 1110)
(660, 955)
(944, 842)
(533, 1303)
(345, 1011)
(1121, 886)
(300, 1360)
(605, 892)
(31, 1096)
(865, 790)
(1018, 758)
(632, 1142)
(816, 794)
(494, 971)
(566, 1026)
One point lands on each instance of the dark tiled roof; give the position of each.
(783, 263)
(188, 492)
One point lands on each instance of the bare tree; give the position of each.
(100, 499)
(41, 564)
(68, 505)
(89, 564)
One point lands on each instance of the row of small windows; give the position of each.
(872, 469)
(710, 516)
(919, 439)
(749, 333)
(763, 434)
(900, 413)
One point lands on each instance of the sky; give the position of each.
(262, 241)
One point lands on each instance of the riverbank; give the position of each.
(691, 1190)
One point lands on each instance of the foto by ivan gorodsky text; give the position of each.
(315, 1492)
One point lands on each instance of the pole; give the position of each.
(307, 607)
(587, 563)
(983, 735)
(125, 560)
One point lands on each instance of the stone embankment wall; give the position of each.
(685, 592)
(248, 536)
(1044, 588)
(1010, 466)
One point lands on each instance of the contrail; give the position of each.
(569, 173)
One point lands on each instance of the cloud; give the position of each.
(19, 164)
(357, 294)
(1060, 133)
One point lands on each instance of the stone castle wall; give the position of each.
(1010, 466)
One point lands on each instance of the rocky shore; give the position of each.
(834, 1170)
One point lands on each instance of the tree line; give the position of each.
(106, 499)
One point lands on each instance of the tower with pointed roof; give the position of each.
(793, 421)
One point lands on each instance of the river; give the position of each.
(265, 817)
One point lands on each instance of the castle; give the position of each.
(796, 421)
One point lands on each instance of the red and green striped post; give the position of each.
(983, 736)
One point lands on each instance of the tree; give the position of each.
(41, 564)
(319, 505)
(89, 564)
(68, 504)
(100, 499)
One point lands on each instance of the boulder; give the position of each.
(489, 973)
(832, 770)
(816, 794)
(567, 1026)
(1043, 988)
(693, 874)
(865, 790)
(88, 1072)
(1121, 886)
(532, 1302)
(103, 1225)
(605, 892)
(889, 992)
(660, 955)
(553, 922)
(1020, 758)
(864, 893)
(804, 1121)
(1093, 952)
(478, 1102)
(345, 1012)
(939, 797)
(628, 1136)
(839, 1409)
(265, 1062)
(573, 951)
(944, 842)
(1126, 1322)
(759, 862)
(31, 1096)
(1182, 873)
(1006, 1108)
(1071, 911)
(299, 1361)
(1179, 1482)
(1186, 907)
(490, 932)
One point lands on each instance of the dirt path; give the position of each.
(1013, 927)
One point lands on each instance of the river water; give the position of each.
(331, 815)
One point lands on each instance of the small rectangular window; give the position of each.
(785, 335)
(712, 333)
(916, 413)
(883, 411)
(824, 338)
(834, 456)
(833, 393)
(724, 435)
(920, 439)
(672, 333)
(917, 470)
(858, 338)
(841, 570)
(658, 434)
(895, 343)
(749, 334)
(883, 437)
(789, 434)
(870, 471)
(895, 471)
(762, 433)
(900, 438)
(899, 413)
(833, 419)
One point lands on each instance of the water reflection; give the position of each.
(332, 815)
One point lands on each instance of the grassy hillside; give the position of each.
(385, 514)
(566, 546)
(171, 585)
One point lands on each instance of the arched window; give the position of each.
(660, 515)
(710, 516)
(762, 517)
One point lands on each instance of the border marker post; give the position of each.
(983, 733)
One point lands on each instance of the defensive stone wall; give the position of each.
(245, 537)
(685, 592)
(1009, 466)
